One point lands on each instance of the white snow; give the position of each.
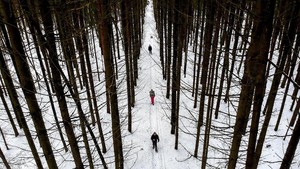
(148, 118)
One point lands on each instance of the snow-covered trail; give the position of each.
(148, 116)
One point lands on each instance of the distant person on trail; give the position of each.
(150, 49)
(152, 95)
(154, 139)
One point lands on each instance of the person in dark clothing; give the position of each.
(154, 139)
(152, 95)
(150, 49)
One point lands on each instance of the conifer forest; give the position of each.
(73, 81)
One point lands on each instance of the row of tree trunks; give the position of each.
(26, 82)
(218, 34)
(104, 27)
(50, 46)
(209, 27)
(231, 26)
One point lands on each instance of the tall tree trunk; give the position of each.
(35, 30)
(195, 46)
(27, 84)
(13, 96)
(11, 120)
(199, 60)
(288, 35)
(291, 149)
(126, 34)
(258, 58)
(4, 159)
(104, 26)
(293, 64)
(228, 36)
(215, 60)
(169, 49)
(161, 40)
(174, 67)
(56, 80)
(182, 22)
(91, 82)
(209, 27)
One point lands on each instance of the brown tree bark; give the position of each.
(11, 120)
(56, 80)
(209, 27)
(258, 58)
(200, 54)
(182, 30)
(292, 147)
(169, 49)
(13, 96)
(4, 159)
(276, 82)
(27, 84)
(195, 46)
(125, 16)
(215, 59)
(29, 10)
(174, 88)
(104, 26)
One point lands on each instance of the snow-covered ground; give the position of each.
(148, 118)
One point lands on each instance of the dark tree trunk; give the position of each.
(199, 59)
(35, 30)
(292, 147)
(105, 25)
(27, 84)
(195, 46)
(11, 120)
(56, 81)
(4, 159)
(258, 58)
(169, 49)
(174, 66)
(126, 34)
(209, 26)
(13, 96)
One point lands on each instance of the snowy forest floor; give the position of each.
(148, 118)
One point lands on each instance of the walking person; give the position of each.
(152, 95)
(154, 139)
(150, 49)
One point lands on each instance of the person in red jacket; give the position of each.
(154, 139)
(152, 95)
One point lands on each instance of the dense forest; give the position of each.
(51, 68)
